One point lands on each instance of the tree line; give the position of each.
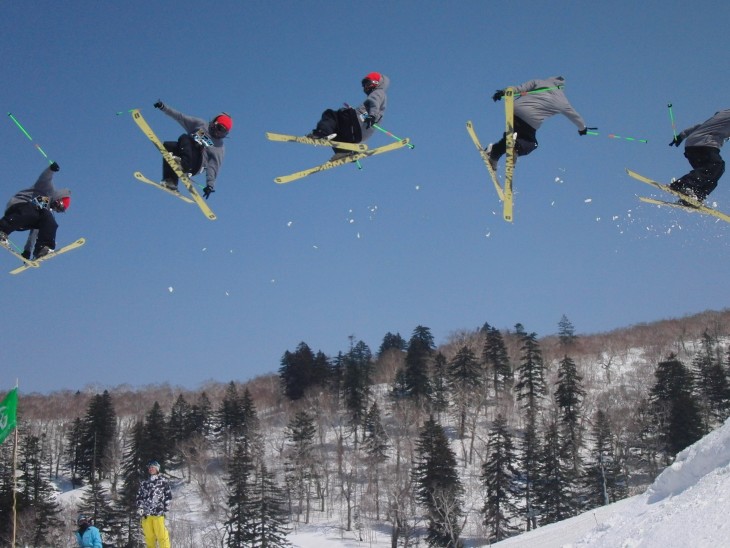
(484, 436)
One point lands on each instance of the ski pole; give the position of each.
(671, 117)
(376, 126)
(14, 119)
(614, 136)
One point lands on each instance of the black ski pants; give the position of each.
(343, 122)
(28, 216)
(525, 143)
(707, 168)
(190, 154)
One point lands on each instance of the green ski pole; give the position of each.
(21, 128)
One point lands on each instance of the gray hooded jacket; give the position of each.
(535, 108)
(212, 156)
(710, 133)
(42, 187)
(374, 105)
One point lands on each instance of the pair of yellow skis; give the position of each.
(504, 192)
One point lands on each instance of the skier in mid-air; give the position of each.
(355, 125)
(32, 209)
(702, 143)
(531, 110)
(200, 147)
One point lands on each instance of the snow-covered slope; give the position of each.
(687, 505)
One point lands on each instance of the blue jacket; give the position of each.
(90, 538)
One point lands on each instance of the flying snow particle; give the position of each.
(488, 234)
(352, 221)
(418, 187)
(226, 293)
(558, 180)
(170, 289)
(315, 247)
(289, 223)
(204, 249)
(358, 235)
(588, 200)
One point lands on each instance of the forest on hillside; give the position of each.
(492, 433)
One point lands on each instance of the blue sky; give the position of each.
(160, 294)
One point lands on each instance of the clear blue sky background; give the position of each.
(160, 294)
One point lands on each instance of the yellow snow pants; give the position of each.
(155, 532)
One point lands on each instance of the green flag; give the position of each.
(8, 412)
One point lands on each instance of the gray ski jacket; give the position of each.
(374, 105)
(535, 108)
(710, 133)
(212, 156)
(42, 187)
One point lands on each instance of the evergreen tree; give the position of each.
(375, 445)
(496, 360)
(133, 467)
(74, 451)
(439, 385)
(98, 433)
(712, 386)
(269, 511)
(530, 391)
(566, 333)
(200, 416)
(464, 377)
(38, 499)
(155, 442)
(96, 503)
(569, 396)
(418, 355)
(555, 488)
(241, 520)
(392, 342)
(604, 482)
(674, 408)
(438, 487)
(302, 369)
(300, 460)
(501, 481)
(357, 383)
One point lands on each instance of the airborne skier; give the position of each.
(702, 150)
(32, 209)
(531, 110)
(355, 125)
(200, 147)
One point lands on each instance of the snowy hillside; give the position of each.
(687, 505)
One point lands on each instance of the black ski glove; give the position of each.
(54, 166)
(584, 131)
(369, 120)
(676, 141)
(207, 191)
(498, 95)
(160, 105)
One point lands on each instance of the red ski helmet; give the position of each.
(224, 120)
(371, 81)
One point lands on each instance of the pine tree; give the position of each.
(464, 377)
(566, 333)
(555, 486)
(240, 523)
(530, 391)
(357, 383)
(392, 342)
(496, 360)
(674, 408)
(375, 445)
(439, 385)
(74, 452)
(155, 442)
(269, 512)
(132, 475)
(38, 500)
(98, 432)
(438, 487)
(603, 480)
(300, 460)
(96, 503)
(713, 390)
(501, 481)
(302, 369)
(569, 395)
(418, 355)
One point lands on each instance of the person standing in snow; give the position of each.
(531, 110)
(702, 150)
(200, 148)
(87, 535)
(153, 502)
(32, 209)
(355, 125)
